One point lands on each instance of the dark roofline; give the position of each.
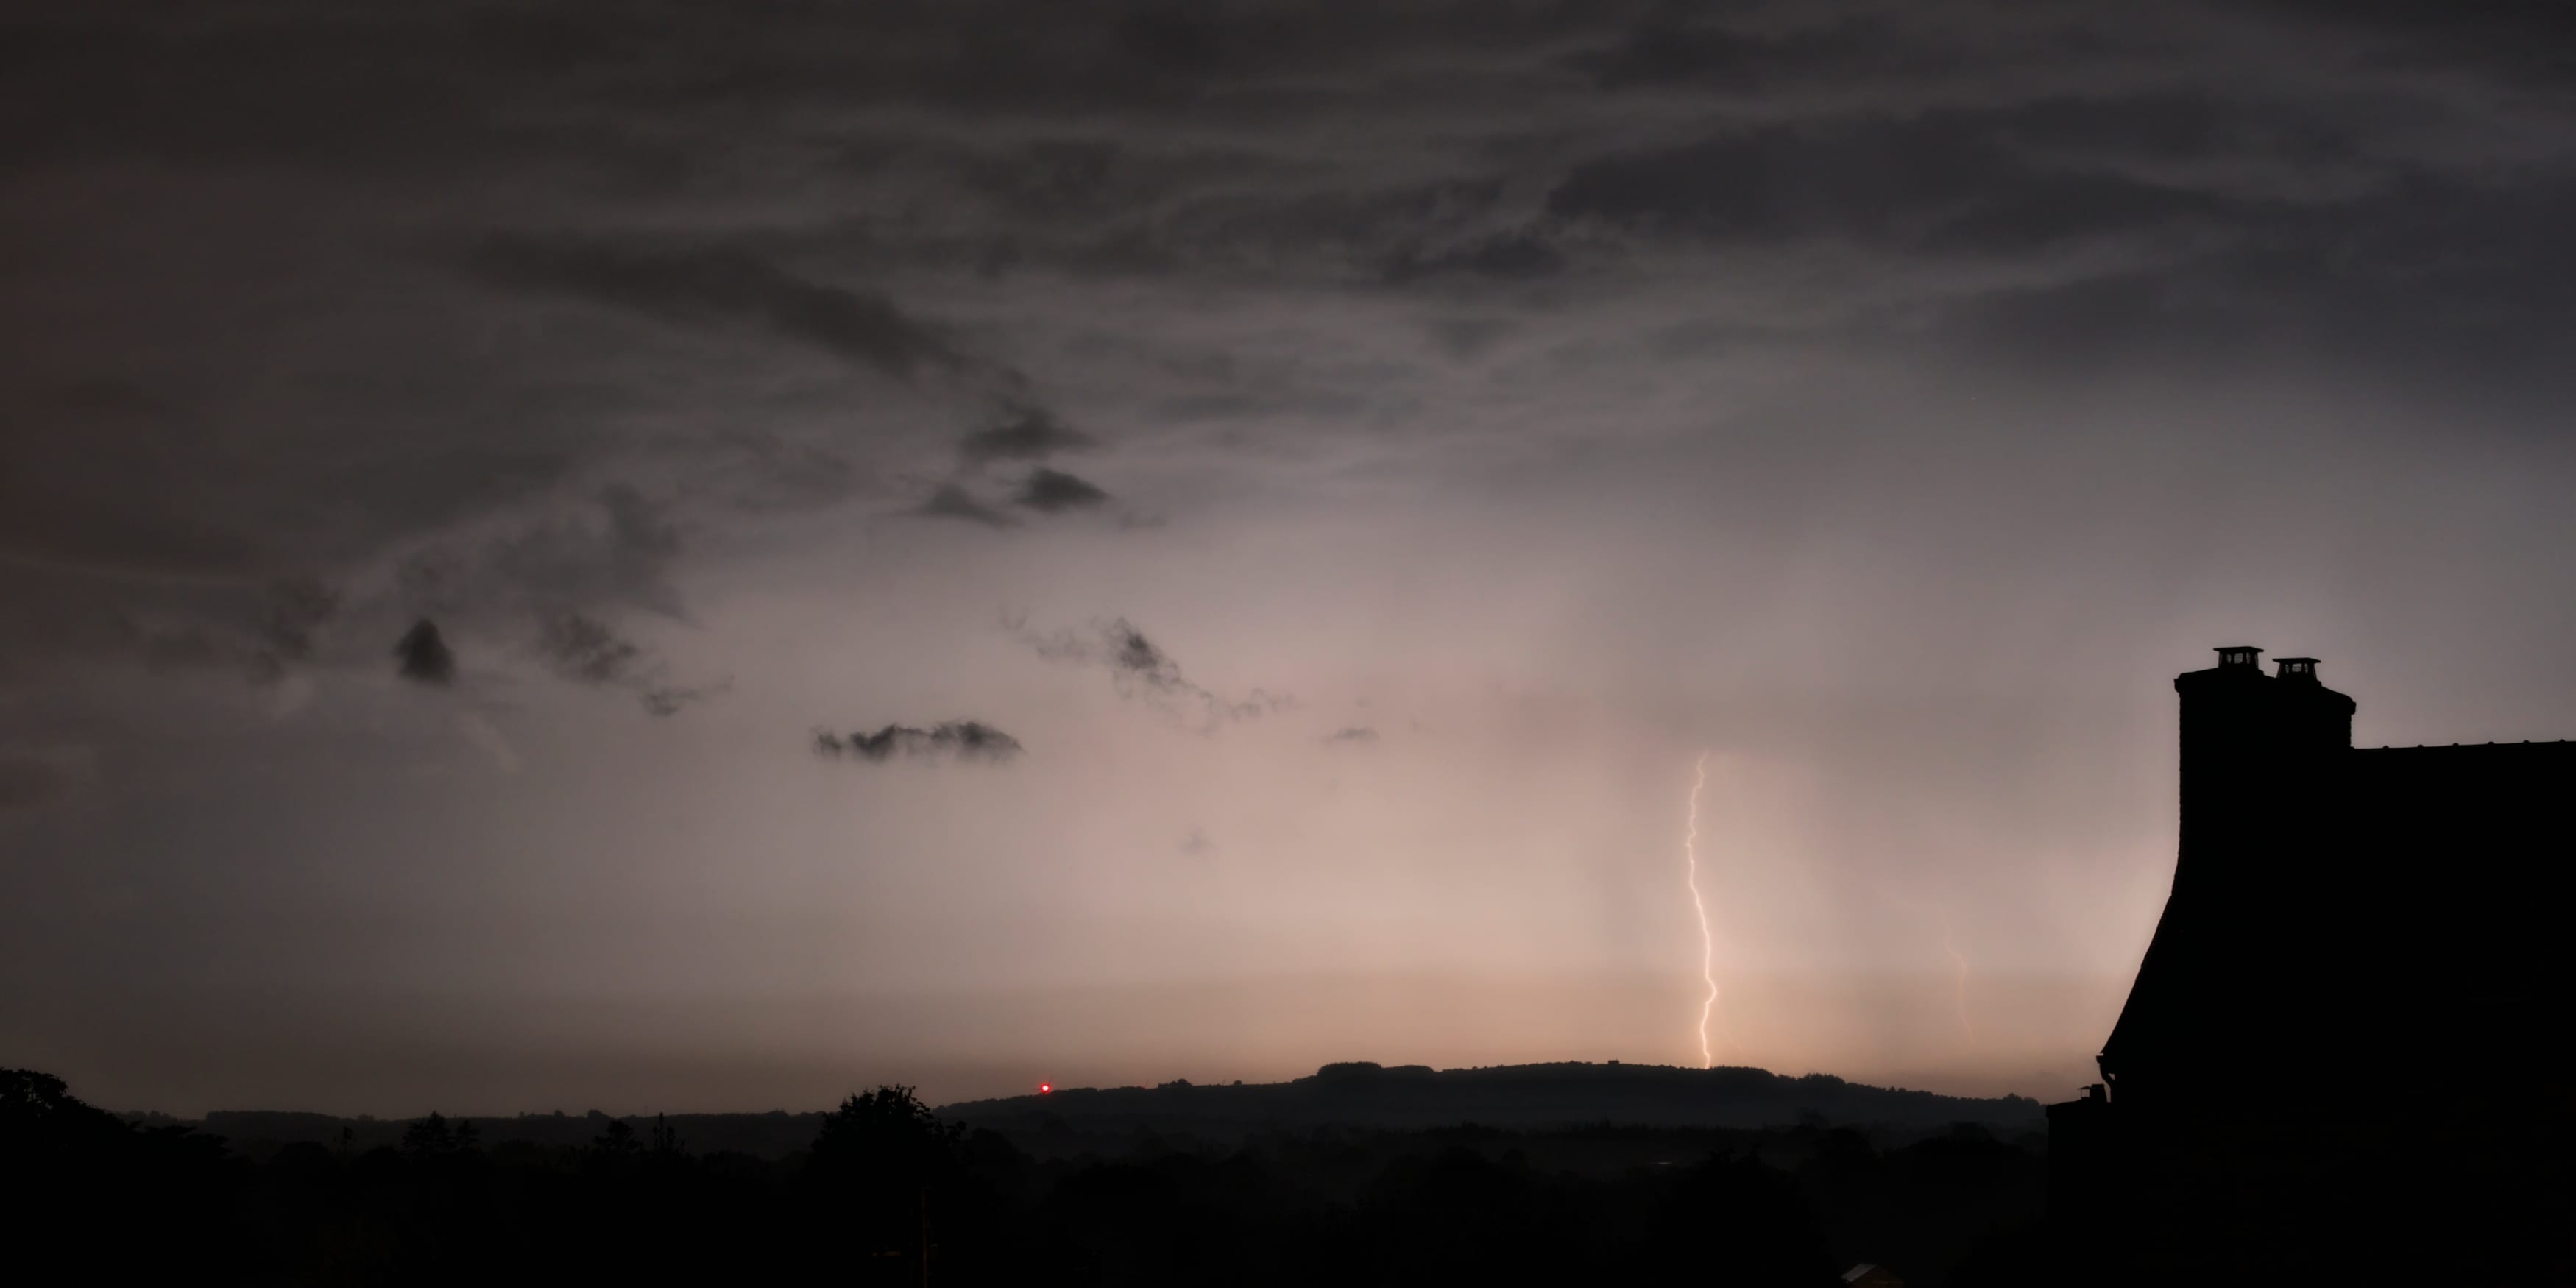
(2463, 746)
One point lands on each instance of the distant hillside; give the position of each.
(1358, 1094)
(1362, 1094)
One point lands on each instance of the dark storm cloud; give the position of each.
(1030, 434)
(1051, 491)
(966, 740)
(181, 473)
(1142, 672)
(716, 285)
(1517, 256)
(29, 780)
(183, 648)
(2457, 287)
(588, 651)
(1673, 46)
(951, 501)
(1935, 181)
(2506, 36)
(97, 474)
(297, 609)
(2164, 126)
(585, 649)
(256, 631)
(1342, 275)
(667, 699)
(2376, 189)
(643, 544)
(421, 656)
(620, 549)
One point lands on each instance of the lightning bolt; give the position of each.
(1959, 963)
(1707, 944)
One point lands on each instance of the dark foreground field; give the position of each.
(1037, 1196)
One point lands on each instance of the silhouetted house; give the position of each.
(2330, 1039)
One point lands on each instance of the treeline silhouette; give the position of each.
(886, 1189)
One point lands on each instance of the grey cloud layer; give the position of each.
(533, 269)
(1029, 434)
(29, 780)
(952, 501)
(713, 284)
(1876, 389)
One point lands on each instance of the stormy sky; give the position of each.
(625, 554)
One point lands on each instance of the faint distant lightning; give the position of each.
(1959, 964)
(1707, 944)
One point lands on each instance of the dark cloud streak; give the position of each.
(422, 657)
(708, 284)
(1031, 434)
(964, 740)
(584, 649)
(1936, 181)
(1053, 491)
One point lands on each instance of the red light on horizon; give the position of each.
(1045, 1088)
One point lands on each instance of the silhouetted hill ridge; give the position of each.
(1364, 1094)
(1346, 1094)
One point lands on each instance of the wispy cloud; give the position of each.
(1030, 434)
(489, 740)
(951, 501)
(1144, 673)
(967, 740)
(588, 651)
(705, 285)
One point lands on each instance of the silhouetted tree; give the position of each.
(617, 1142)
(882, 1166)
(37, 1112)
(428, 1136)
(77, 1183)
(666, 1142)
(886, 1132)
